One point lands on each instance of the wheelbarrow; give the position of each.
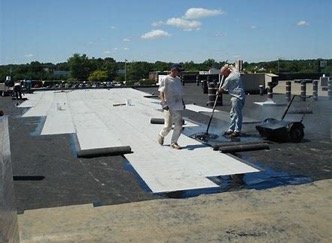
(281, 130)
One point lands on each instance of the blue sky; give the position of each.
(170, 31)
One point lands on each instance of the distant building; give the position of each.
(154, 76)
(210, 71)
(212, 75)
(252, 81)
(59, 73)
(239, 65)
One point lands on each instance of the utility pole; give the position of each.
(125, 71)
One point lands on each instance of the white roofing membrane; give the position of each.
(197, 108)
(98, 124)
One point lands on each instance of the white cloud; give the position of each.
(302, 23)
(253, 27)
(126, 40)
(184, 24)
(188, 22)
(155, 34)
(197, 13)
(126, 48)
(28, 55)
(158, 23)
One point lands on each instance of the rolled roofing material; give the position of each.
(23, 98)
(88, 153)
(119, 104)
(243, 147)
(160, 121)
(157, 121)
(217, 147)
(101, 151)
(301, 111)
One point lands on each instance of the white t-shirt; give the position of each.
(233, 84)
(172, 88)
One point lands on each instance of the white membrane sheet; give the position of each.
(198, 108)
(91, 114)
(269, 102)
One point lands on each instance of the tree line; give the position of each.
(80, 67)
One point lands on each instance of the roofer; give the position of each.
(171, 96)
(233, 85)
(18, 90)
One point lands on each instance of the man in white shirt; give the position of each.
(18, 90)
(171, 96)
(233, 85)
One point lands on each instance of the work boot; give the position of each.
(227, 133)
(175, 146)
(160, 139)
(234, 135)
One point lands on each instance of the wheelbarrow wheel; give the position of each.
(296, 134)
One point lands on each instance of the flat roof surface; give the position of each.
(100, 120)
(68, 180)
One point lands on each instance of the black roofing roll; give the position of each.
(160, 121)
(244, 147)
(118, 150)
(157, 121)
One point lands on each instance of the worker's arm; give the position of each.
(162, 96)
(163, 101)
(224, 87)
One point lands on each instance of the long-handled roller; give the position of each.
(206, 136)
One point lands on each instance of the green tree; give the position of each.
(109, 65)
(209, 63)
(161, 66)
(138, 70)
(79, 67)
(63, 66)
(190, 66)
(98, 75)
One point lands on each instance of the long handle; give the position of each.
(287, 108)
(215, 104)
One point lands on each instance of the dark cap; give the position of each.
(176, 66)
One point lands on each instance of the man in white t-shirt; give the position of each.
(233, 85)
(171, 96)
(18, 90)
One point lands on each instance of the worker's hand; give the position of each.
(219, 92)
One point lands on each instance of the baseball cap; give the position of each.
(176, 66)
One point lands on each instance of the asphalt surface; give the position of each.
(47, 172)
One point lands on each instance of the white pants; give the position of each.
(170, 118)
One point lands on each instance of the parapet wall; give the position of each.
(8, 212)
